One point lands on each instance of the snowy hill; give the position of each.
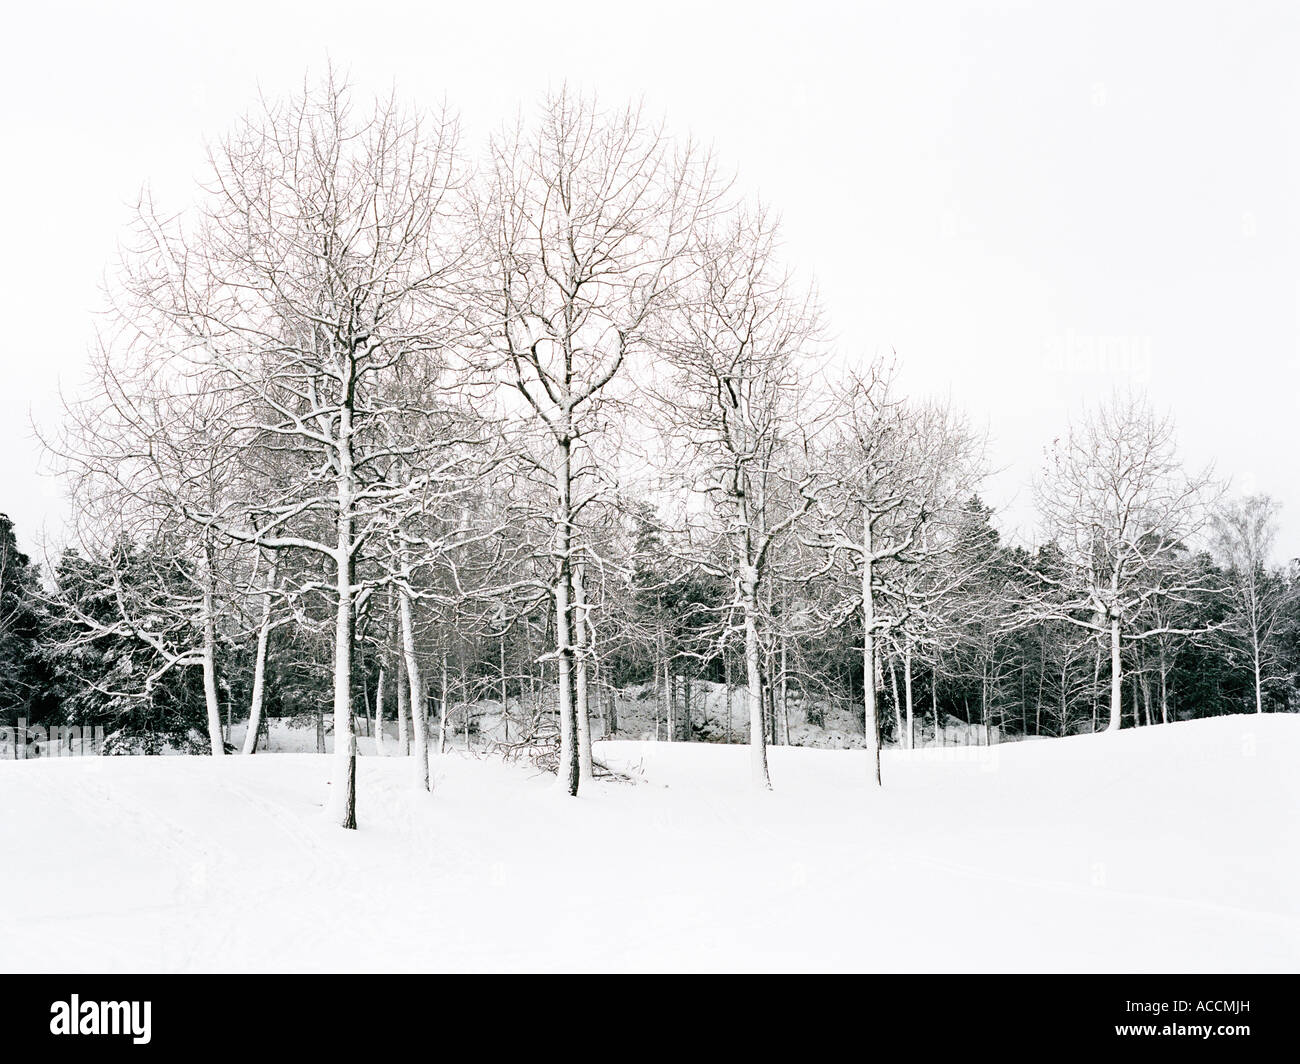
(1173, 848)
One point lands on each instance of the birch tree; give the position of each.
(318, 268)
(1120, 508)
(732, 404)
(1244, 532)
(891, 469)
(141, 450)
(585, 217)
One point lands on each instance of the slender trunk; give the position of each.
(466, 705)
(343, 809)
(1042, 683)
(934, 706)
(367, 716)
(769, 710)
(769, 682)
(754, 693)
(670, 685)
(215, 738)
(582, 643)
(898, 702)
(907, 689)
(1116, 674)
(403, 708)
(785, 693)
(687, 726)
(419, 724)
(380, 692)
(1164, 685)
(1064, 729)
(872, 721)
(505, 693)
(444, 705)
(1096, 683)
(1259, 678)
(568, 770)
(984, 701)
(726, 680)
(259, 662)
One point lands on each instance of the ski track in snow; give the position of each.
(1173, 848)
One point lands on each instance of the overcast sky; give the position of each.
(1031, 205)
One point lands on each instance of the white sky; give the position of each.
(991, 190)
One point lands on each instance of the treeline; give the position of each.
(394, 428)
(989, 668)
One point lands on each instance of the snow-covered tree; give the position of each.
(736, 408)
(1117, 503)
(585, 218)
(316, 271)
(1244, 532)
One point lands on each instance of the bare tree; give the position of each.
(142, 450)
(1121, 509)
(1244, 531)
(892, 470)
(737, 403)
(317, 271)
(585, 219)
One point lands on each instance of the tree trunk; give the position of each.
(367, 717)
(505, 693)
(403, 708)
(259, 663)
(215, 738)
(670, 686)
(985, 714)
(687, 726)
(934, 705)
(872, 721)
(380, 693)
(1116, 675)
(898, 702)
(754, 690)
(907, 689)
(1096, 683)
(466, 708)
(568, 771)
(785, 693)
(1259, 677)
(582, 643)
(343, 807)
(1164, 685)
(343, 797)
(419, 724)
(444, 705)
(726, 680)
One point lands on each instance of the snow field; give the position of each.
(1172, 848)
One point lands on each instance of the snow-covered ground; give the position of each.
(1172, 848)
